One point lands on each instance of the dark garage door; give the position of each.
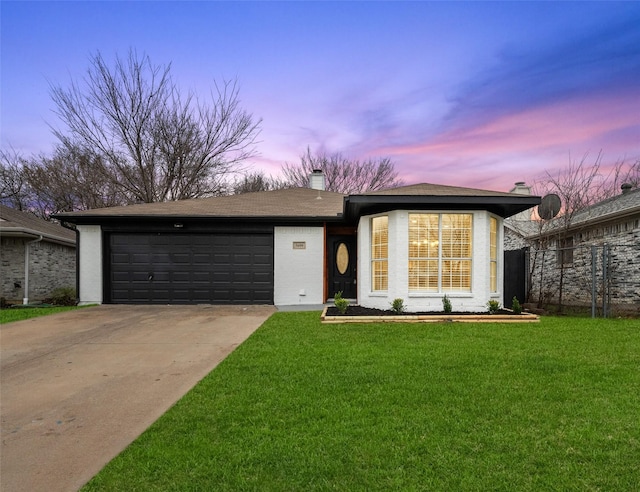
(191, 268)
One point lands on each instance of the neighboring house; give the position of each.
(567, 247)
(301, 246)
(36, 257)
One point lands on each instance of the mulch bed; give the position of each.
(363, 311)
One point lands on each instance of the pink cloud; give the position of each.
(525, 144)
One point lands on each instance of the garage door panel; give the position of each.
(261, 278)
(191, 268)
(242, 277)
(180, 276)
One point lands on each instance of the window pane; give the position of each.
(456, 275)
(494, 238)
(493, 254)
(423, 275)
(456, 235)
(380, 275)
(494, 276)
(379, 253)
(440, 252)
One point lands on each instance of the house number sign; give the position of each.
(299, 245)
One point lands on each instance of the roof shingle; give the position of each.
(14, 222)
(291, 202)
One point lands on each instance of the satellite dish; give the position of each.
(549, 206)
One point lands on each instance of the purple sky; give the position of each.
(470, 94)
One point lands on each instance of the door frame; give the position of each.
(332, 232)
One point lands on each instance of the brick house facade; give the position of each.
(568, 258)
(36, 254)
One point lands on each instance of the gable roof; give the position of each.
(618, 206)
(15, 223)
(612, 209)
(427, 196)
(429, 189)
(305, 204)
(292, 203)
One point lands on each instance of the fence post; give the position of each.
(594, 259)
(605, 254)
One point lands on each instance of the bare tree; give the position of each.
(579, 186)
(341, 174)
(154, 144)
(71, 179)
(14, 188)
(256, 181)
(623, 172)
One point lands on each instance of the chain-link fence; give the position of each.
(602, 277)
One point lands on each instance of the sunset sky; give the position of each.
(470, 94)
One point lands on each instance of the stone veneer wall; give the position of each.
(51, 266)
(623, 240)
(513, 240)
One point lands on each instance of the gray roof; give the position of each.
(612, 209)
(285, 203)
(15, 223)
(428, 189)
(309, 204)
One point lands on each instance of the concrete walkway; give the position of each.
(76, 388)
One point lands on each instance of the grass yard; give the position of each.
(303, 406)
(18, 314)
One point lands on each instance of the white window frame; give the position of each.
(441, 258)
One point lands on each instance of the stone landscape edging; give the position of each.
(432, 318)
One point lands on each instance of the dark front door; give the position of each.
(515, 276)
(341, 264)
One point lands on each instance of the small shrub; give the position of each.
(515, 306)
(446, 304)
(397, 306)
(340, 303)
(62, 296)
(493, 306)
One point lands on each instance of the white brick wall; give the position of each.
(298, 273)
(473, 301)
(90, 264)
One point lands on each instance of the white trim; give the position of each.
(90, 264)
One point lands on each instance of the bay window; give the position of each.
(440, 252)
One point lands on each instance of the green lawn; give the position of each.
(18, 314)
(303, 406)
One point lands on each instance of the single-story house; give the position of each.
(300, 246)
(564, 248)
(36, 256)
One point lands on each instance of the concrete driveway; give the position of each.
(78, 387)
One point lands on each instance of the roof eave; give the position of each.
(358, 205)
(587, 223)
(22, 232)
(87, 219)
